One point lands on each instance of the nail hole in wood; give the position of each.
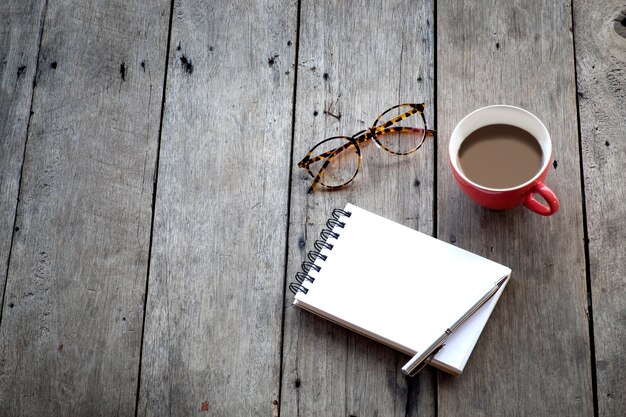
(187, 65)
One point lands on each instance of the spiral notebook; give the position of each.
(396, 285)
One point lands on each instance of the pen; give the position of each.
(420, 360)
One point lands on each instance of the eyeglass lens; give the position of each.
(342, 167)
(404, 136)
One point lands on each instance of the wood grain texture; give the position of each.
(600, 40)
(533, 357)
(71, 328)
(20, 29)
(213, 324)
(355, 61)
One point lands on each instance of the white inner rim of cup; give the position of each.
(500, 114)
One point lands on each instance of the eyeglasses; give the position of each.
(334, 162)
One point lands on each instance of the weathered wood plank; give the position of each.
(533, 357)
(600, 41)
(20, 29)
(71, 328)
(355, 61)
(213, 324)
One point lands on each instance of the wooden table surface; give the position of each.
(152, 213)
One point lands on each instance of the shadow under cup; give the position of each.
(506, 198)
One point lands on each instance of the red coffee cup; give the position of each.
(506, 198)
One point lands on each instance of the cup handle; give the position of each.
(547, 194)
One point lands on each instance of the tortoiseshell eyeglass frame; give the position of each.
(362, 137)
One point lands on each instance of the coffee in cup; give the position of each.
(500, 156)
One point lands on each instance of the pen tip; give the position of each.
(502, 280)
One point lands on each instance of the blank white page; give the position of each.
(397, 285)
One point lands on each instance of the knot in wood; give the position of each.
(620, 24)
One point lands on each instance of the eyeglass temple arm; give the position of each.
(319, 175)
(403, 116)
(360, 138)
(309, 161)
